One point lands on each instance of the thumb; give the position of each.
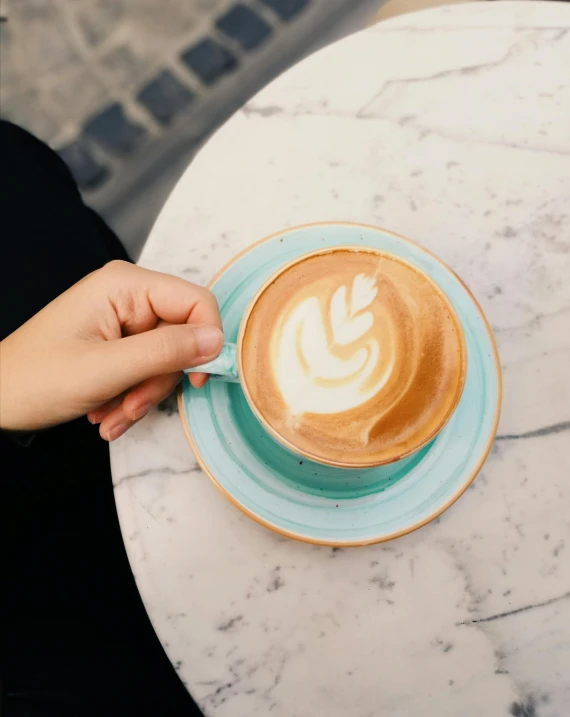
(124, 362)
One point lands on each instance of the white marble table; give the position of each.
(451, 127)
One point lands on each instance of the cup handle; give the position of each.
(222, 368)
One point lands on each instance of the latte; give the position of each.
(353, 357)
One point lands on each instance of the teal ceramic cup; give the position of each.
(228, 366)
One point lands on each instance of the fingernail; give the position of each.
(198, 380)
(116, 431)
(209, 340)
(141, 411)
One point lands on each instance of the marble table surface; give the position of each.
(452, 127)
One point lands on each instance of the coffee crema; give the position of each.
(353, 357)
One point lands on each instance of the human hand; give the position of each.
(112, 346)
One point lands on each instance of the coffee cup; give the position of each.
(348, 356)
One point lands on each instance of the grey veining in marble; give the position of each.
(451, 127)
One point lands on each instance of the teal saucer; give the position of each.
(322, 504)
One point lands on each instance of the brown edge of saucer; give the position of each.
(415, 526)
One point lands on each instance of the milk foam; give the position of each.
(311, 377)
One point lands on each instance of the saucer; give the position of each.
(322, 504)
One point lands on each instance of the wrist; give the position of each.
(14, 404)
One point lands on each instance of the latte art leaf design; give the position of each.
(327, 361)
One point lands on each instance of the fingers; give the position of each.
(122, 363)
(99, 414)
(198, 380)
(141, 297)
(136, 404)
(167, 324)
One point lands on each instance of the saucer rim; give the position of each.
(415, 526)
